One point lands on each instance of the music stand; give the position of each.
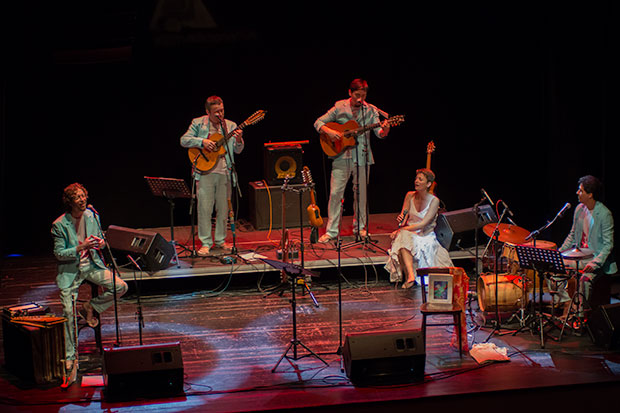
(171, 189)
(541, 260)
(298, 273)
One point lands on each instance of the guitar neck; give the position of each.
(229, 135)
(363, 129)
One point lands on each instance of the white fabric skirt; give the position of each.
(425, 249)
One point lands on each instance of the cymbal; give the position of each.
(578, 253)
(507, 233)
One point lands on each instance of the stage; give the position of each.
(233, 327)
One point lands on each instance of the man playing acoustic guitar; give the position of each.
(349, 159)
(214, 184)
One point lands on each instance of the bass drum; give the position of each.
(510, 295)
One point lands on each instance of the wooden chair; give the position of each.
(429, 310)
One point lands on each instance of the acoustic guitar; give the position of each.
(314, 213)
(430, 148)
(350, 130)
(204, 160)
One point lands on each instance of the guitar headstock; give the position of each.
(306, 176)
(255, 117)
(430, 148)
(396, 120)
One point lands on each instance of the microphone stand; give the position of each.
(497, 324)
(367, 240)
(339, 248)
(233, 202)
(192, 209)
(139, 310)
(115, 271)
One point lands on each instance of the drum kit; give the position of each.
(511, 294)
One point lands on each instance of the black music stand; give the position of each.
(171, 189)
(541, 260)
(298, 274)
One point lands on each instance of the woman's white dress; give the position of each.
(423, 245)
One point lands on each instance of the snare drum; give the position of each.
(510, 294)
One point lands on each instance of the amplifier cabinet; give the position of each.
(261, 207)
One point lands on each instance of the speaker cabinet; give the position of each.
(261, 207)
(143, 371)
(456, 227)
(604, 324)
(153, 250)
(396, 356)
(281, 161)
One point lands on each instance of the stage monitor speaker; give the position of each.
(143, 371)
(388, 357)
(261, 206)
(152, 249)
(282, 161)
(604, 324)
(456, 227)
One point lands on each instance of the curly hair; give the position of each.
(69, 194)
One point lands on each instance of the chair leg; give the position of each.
(424, 330)
(457, 323)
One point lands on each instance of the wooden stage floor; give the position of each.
(232, 334)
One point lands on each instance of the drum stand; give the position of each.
(520, 314)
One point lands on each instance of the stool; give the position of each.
(94, 292)
(428, 309)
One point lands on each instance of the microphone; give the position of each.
(565, 208)
(507, 209)
(92, 208)
(484, 193)
(405, 212)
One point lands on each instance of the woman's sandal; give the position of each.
(408, 284)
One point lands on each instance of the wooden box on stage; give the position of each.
(261, 206)
(34, 346)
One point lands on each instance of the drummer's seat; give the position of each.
(601, 291)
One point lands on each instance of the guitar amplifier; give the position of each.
(282, 161)
(266, 202)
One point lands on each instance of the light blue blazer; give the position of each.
(600, 239)
(65, 246)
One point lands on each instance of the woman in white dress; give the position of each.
(415, 245)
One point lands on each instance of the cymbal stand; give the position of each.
(578, 300)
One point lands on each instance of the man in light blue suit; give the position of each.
(214, 187)
(592, 229)
(77, 240)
